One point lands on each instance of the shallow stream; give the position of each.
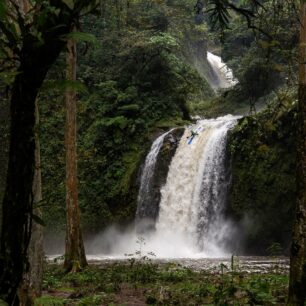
(246, 264)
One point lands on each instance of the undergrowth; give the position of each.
(147, 283)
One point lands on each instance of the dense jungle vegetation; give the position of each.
(262, 146)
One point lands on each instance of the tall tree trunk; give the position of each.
(297, 286)
(18, 199)
(31, 286)
(75, 258)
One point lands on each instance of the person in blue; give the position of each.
(193, 134)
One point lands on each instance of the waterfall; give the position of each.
(188, 221)
(193, 198)
(145, 194)
(210, 198)
(222, 76)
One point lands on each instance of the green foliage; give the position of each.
(94, 300)
(229, 102)
(49, 301)
(262, 195)
(275, 249)
(7, 77)
(263, 60)
(81, 37)
(63, 85)
(165, 284)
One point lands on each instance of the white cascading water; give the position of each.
(222, 75)
(194, 196)
(144, 194)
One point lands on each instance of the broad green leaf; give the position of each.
(69, 3)
(80, 36)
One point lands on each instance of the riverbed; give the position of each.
(246, 264)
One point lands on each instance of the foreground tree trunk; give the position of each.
(31, 285)
(18, 199)
(297, 286)
(75, 258)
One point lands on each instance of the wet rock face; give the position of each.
(150, 213)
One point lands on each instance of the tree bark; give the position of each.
(297, 286)
(75, 258)
(18, 198)
(31, 285)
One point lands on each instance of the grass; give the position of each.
(147, 283)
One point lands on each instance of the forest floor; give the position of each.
(144, 282)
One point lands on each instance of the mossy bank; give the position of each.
(262, 194)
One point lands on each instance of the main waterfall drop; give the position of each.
(190, 221)
(194, 196)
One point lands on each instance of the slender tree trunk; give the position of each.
(297, 286)
(74, 253)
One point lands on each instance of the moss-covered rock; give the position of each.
(262, 194)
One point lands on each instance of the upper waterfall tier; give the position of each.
(221, 75)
